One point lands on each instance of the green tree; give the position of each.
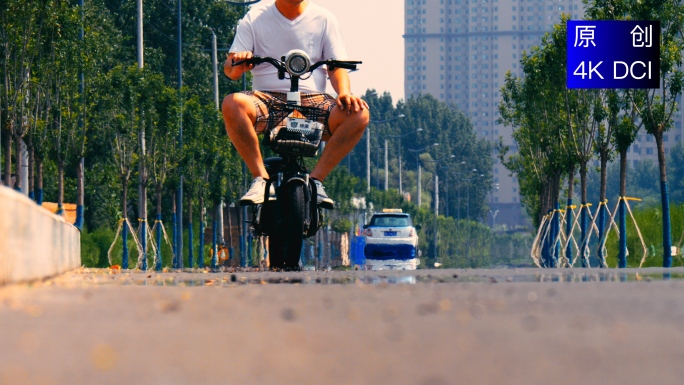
(21, 25)
(659, 105)
(534, 105)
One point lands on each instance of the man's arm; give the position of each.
(339, 78)
(235, 72)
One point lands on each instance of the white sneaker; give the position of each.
(255, 194)
(323, 199)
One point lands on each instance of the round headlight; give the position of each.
(297, 62)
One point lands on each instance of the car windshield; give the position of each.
(390, 221)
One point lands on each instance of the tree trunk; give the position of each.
(219, 218)
(175, 232)
(158, 195)
(230, 235)
(542, 205)
(584, 215)
(31, 170)
(622, 213)
(604, 171)
(548, 193)
(80, 193)
(556, 218)
(200, 254)
(191, 255)
(214, 246)
(8, 158)
(39, 168)
(124, 215)
(583, 182)
(142, 197)
(623, 173)
(569, 215)
(241, 236)
(159, 224)
(602, 207)
(17, 162)
(124, 197)
(60, 187)
(571, 181)
(665, 200)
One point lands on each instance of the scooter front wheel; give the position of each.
(285, 243)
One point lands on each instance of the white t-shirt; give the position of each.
(266, 32)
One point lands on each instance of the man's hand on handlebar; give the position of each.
(349, 102)
(234, 72)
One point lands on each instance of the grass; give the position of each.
(649, 220)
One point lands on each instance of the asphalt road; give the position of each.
(427, 328)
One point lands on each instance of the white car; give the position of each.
(391, 241)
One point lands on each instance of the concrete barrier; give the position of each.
(34, 243)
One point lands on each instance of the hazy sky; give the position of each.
(372, 31)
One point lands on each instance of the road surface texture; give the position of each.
(527, 326)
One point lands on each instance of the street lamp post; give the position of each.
(420, 187)
(468, 191)
(458, 192)
(386, 168)
(178, 259)
(418, 150)
(401, 191)
(435, 255)
(368, 164)
(437, 161)
(493, 211)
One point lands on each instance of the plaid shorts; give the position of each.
(262, 99)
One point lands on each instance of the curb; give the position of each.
(34, 243)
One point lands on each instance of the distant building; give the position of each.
(460, 50)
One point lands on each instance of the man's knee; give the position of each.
(357, 121)
(364, 118)
(238, 105)
(235, 103)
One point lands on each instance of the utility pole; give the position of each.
(81, 124)
(386, 168)
(368, 167)
(214, 63)
(436, 214)
(179, 194)
(142, 172)
(419, 185)
(218, 215)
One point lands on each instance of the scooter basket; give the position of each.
(295, 130)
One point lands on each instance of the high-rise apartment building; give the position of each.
(460, 50)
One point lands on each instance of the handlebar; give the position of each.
(280, 65)
(256, 60)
